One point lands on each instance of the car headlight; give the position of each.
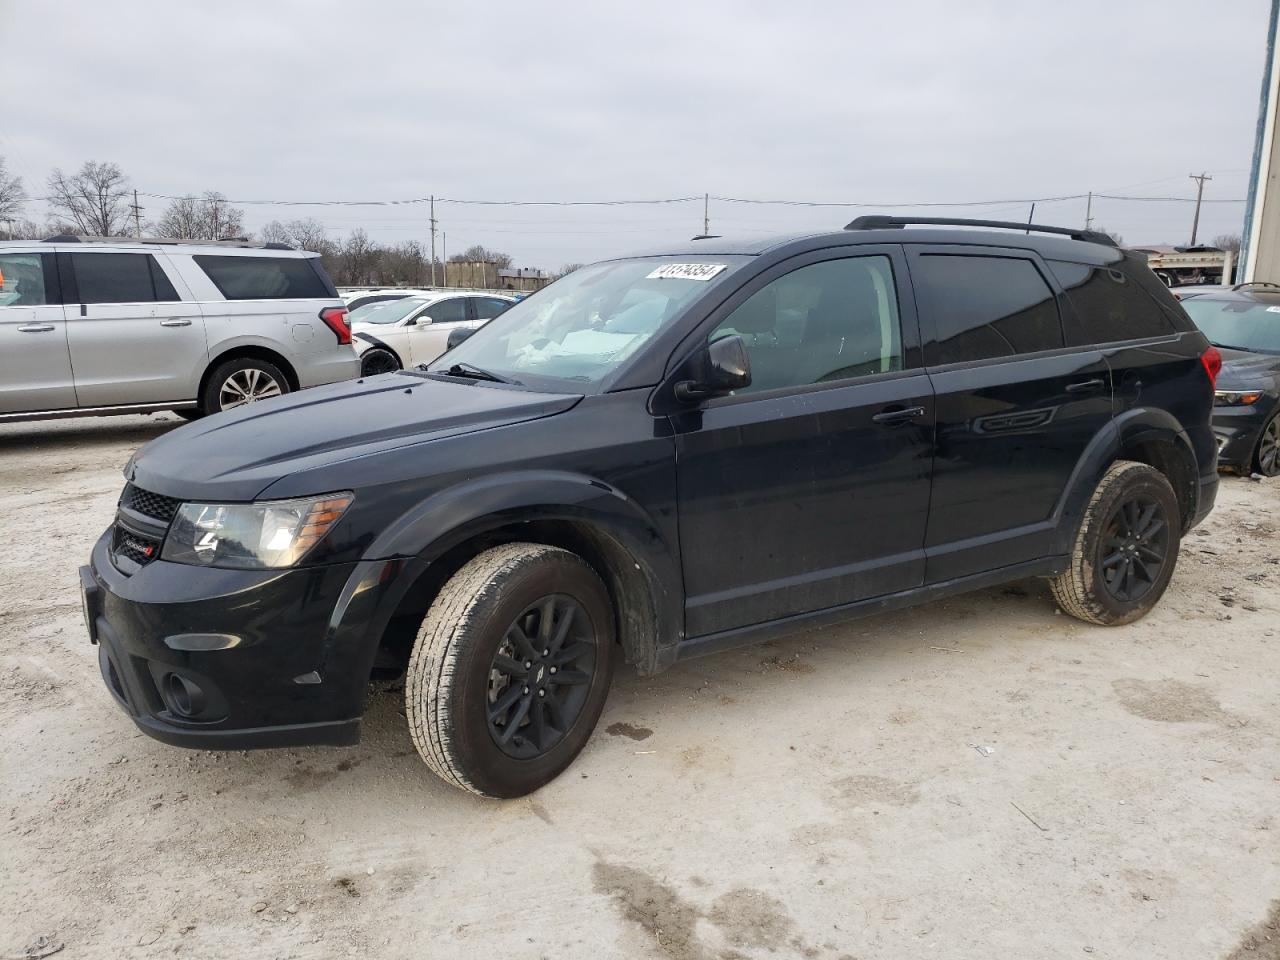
(252, 536)
(1236, 398)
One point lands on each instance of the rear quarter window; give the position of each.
(1109, 305)
(266, 278)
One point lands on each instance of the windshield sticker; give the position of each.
(1273, 309)
(686, 271)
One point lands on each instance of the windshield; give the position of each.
(584, 326)
(392, 311)
(1243, 324)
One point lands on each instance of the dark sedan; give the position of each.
(1244, 324)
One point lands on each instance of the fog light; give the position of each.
(183, 697)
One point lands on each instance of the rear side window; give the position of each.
(489, 307)
(985, 307)
(121, 278)
(22, 281)
(265, 278)
(1109, 305)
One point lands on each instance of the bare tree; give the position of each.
(208, 217)
(1227, 241)
(93, 200)
(568, 268)
(480, 254)
(357, 259)
(12, 196)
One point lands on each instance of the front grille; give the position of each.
(140, 550)
(149, 504)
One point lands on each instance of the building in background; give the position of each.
(1260, 251)
(525, 278)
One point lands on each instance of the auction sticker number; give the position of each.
(686, 271)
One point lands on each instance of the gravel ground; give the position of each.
(981, 777)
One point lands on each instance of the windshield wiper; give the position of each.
(472, 372)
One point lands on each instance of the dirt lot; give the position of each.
(821, 797)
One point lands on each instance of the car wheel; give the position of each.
(243, 381)
(510, 669)
(189, 413)
(1266, 459)
(1127, 547)
(378, 360)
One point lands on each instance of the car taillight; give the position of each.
(335, 318)
(1212, 361)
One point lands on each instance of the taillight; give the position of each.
(335, 318)
(1212, 361)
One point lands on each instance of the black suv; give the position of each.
(657, 457)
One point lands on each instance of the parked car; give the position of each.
(355, 299)
(654, 458)
(413, 330)
(91, 327)
(1243, 322)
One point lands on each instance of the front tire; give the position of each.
(511, 669)
(377, 360)
(1266, 458)
(1126, 549)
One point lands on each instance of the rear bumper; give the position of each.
(285, 659)
(329, 366)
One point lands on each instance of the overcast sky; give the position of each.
(853, 101)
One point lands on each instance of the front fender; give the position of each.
(632, 540)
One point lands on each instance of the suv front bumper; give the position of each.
(237, 659)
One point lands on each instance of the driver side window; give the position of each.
(448, 311)
(827, 321)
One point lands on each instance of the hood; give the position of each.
(1241, 366)
(234, 456)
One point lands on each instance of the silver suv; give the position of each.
(93, 326)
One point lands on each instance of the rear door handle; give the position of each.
(175, 323)
(1086, 386)
(37, 328)
(898, 415)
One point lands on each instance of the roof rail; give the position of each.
(1255, 283)
(879, 222)
(170, 241)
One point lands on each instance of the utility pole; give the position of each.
(137, 216)
(433, 240)
(1195, 223)
(444, 256)
(1088, 211)
(706, 214)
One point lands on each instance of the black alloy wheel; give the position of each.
(1135, 547)
(376, 361)
(540, 676)
(1268, 456)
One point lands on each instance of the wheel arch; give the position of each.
(577, 513)
(254, 351)
(1146, 435)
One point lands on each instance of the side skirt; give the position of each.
(760, 632)
(68, 412)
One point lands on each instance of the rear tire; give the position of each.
(240, 382)
(511, 669)
(1126, 550)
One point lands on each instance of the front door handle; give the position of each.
(175, 322)
(37, 328)
(898, 415)
(1086, 386)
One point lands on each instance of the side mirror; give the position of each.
(720, 368)
(420, 318)
(456, 336)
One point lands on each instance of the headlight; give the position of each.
(1236, 398)
(251, 536)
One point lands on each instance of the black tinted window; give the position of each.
(986, 307)
(489, 307)
(120, 278)
(264, 278)
(1109, 305)
(828, 321)
(448, 311)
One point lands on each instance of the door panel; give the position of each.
(1015, 407)
(428, 339)
(143, 350)
(810, 488)
(35, 366)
